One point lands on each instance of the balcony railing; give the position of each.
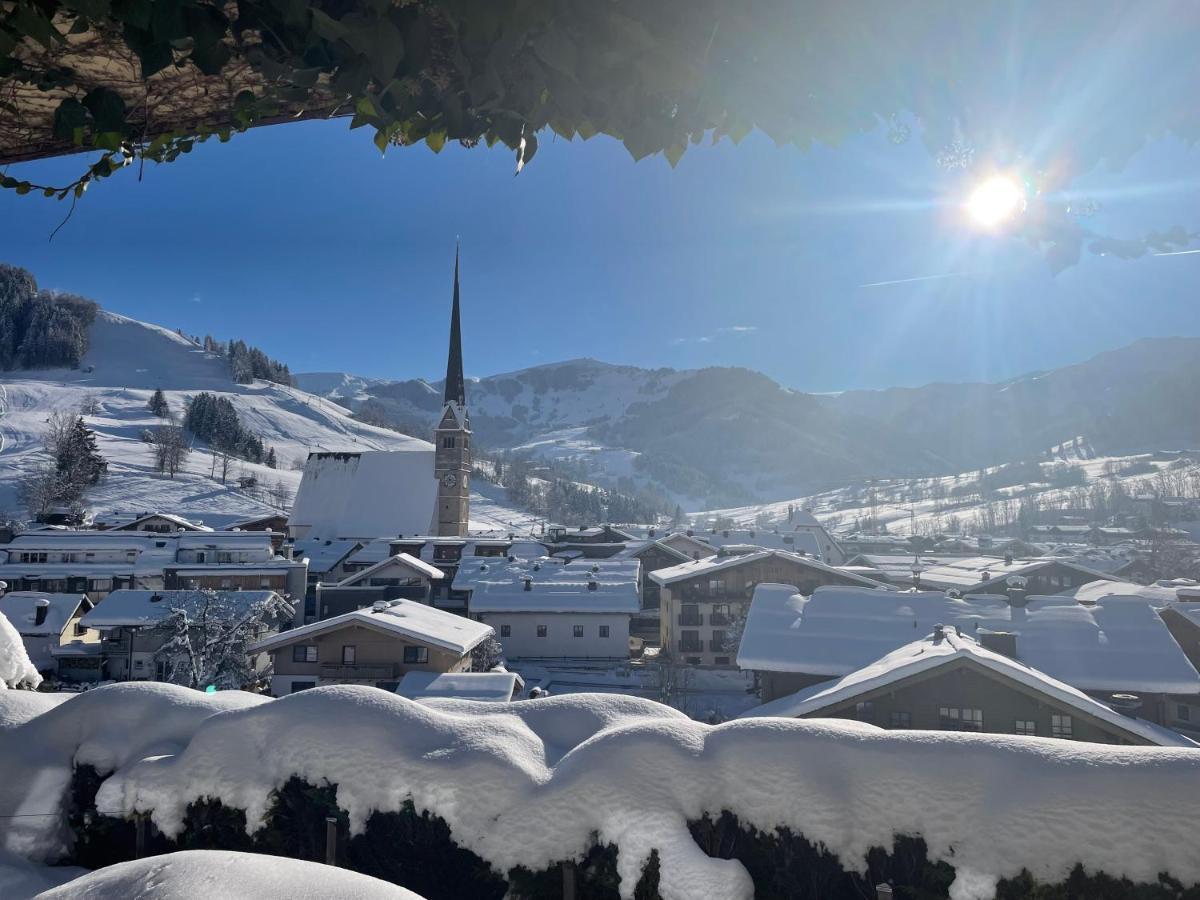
(696, 646)
(691, 620)
(718, 619)
(718, 646)
(358, 673)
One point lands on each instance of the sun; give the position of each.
(995, 201)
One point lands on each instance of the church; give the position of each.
(422, 489)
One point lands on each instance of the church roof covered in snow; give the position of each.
(1103, 647)
(938, 651)
(366, 494)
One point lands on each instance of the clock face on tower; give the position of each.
(449, 479)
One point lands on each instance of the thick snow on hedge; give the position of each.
(530, 783)
(226, 875)
(16, 670)
(108, 727)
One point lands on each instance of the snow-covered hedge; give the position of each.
(531, 784)
(16, 669)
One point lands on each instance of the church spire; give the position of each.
(456, 390)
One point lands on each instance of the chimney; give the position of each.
(690, 533)
(1126, 704)
(1008, 559)
(650, 533)
(593, 584)
(528, 583)
(39, 610)
(939, 633)
(1002, 642)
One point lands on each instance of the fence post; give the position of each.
(139, 835)
(330, 841)
(568, 873)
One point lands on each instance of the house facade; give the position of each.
(399, 577)
(702, 599)
(376, 647)
(46, 622)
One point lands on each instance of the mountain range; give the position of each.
(721, 436)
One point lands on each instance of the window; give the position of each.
(577, 630)
(305, 653)
(604, 633)
(416, 655)
(139, 665)
(448, 442)
(1183, 712)
(541, 631)
(160, 670)
(298, 686)
(348, 653)
(864, 711)
(692, 660)
(948, 718)
(1025, 726)
(898, 719)
(505, 631)
(1060, 726)
(27, 557)
(721, 660)
(972, 720)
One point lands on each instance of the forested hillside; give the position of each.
(40, 329)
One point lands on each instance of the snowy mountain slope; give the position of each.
(724, 436)
(126, 362)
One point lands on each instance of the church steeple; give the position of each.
(456, 389)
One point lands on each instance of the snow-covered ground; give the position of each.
(927, 505)
(126, 362)
(538, 781)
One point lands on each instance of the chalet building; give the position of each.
(654, 556)
(687, 543)
(276, 523)
(1182, 619)
(158, 523)
(547, 608)
(1111, 646)
(948, 681)
(399, 577)
(99, 562)
(594, 542)
(47, 621)
(701, 599)
(989, 575)
(129, 624)
(378, 646)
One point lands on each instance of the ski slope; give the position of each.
(126, 362)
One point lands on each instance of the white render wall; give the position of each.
(560, 641)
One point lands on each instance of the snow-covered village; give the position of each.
(787, 486)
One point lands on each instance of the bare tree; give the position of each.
(170, 449)
(40, 491)
(58, 431)
(89, 406)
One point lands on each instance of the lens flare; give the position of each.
(995, 201)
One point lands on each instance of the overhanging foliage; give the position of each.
(1064, 85)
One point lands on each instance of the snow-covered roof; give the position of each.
(492, 687)
(180, 521)
(323, 555)
(498, 585)
(1113, 591)
(634, 549)
(969, 573)
(21, 609)
(696, 567)
(131, 607)
(1109, 646)
(416, 566)
(367, 494)
(931, 653)
(403, 618)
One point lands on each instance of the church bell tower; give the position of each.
(452, 438)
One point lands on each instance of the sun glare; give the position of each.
(995, 201)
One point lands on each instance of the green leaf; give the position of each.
(107, 108)
(558, 51)
(381, 140)
(674, 153)
(436, 140)
(323, 25)
(24, 187)
(69, 120)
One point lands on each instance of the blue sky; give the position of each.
(301, 239)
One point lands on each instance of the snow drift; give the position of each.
(226, 875)
(16, 669)
(536, 782)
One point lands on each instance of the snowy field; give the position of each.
(927, 505)
(128, 360)
(562, 772)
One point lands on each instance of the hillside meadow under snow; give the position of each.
(126, 362)
(537, 782)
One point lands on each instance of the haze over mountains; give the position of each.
(719, 436)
